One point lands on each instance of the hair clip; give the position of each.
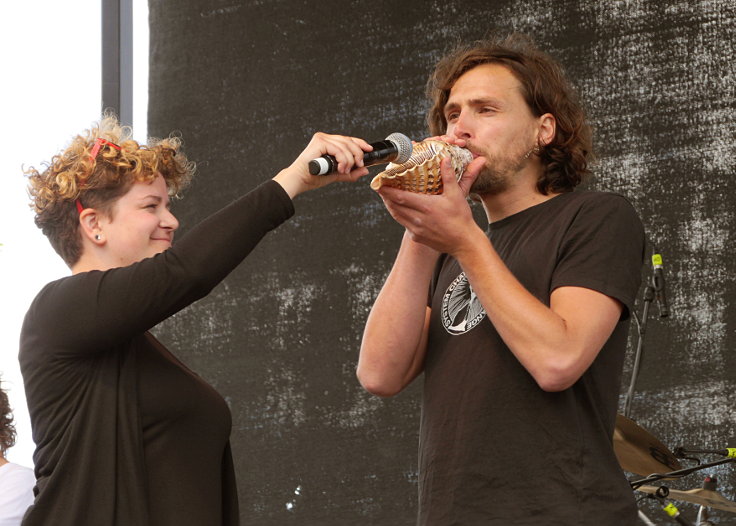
(99, 142)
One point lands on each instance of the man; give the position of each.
(523, 336)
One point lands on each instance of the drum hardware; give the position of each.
(706, 496)
(661, 493)
(635, 484)
(643, 518)
(681, 452)
(710, 484)
(702, 496)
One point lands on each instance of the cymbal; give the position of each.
(704, 497)
(639, 452)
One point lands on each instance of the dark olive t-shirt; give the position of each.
(495, 449)
(125, 434)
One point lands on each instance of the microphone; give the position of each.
(658, 284)
(397, 147)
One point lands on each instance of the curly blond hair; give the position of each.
(73, 176)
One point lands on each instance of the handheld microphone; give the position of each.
(397, 147)
(658, 284)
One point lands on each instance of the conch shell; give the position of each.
(421, 173)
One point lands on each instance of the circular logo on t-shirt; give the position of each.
(461, 308)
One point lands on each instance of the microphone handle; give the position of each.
(658, 284)
(659, 292)
(383, 152)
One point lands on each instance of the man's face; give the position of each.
(486, 108)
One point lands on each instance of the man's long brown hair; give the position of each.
(545, 89)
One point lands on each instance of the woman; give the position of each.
(126, 434)
(16, 482)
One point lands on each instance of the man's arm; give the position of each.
(556, 344)
(395, 336)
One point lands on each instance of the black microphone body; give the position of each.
(396, 147)
(659, 285)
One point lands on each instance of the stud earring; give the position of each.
(98, 237)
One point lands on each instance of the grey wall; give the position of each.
(247, 82)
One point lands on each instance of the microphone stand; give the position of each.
(641, 330)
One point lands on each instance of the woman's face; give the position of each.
(142, 224)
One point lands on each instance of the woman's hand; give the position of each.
(348, 151)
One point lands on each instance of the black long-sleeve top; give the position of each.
(126, 434)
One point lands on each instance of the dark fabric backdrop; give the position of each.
(247, 82)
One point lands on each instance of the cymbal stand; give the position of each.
(643, 518)
(709, 483)
(669, 508)
(679, 473)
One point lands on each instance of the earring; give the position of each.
(98, 237)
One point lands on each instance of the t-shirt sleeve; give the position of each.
(435, 277)
(603, 250)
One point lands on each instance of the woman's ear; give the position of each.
(89, 221)
(547, 129)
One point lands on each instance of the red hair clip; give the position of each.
(99, 142)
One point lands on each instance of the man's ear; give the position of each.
(547, 129)
(89, 222)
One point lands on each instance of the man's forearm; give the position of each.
(392, 351)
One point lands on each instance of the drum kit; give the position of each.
(640, 453)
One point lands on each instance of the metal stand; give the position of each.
(679, 473)
(641, 331)
(645, 519)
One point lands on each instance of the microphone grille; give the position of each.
(403, 145)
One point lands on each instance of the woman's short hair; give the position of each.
(74, 176)
(545, 89)
(7, 429)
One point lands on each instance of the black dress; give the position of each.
(125, 434)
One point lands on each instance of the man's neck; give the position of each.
(513, 200)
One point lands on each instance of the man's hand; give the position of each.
(442, 221)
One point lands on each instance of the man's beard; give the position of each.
(497, 174)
